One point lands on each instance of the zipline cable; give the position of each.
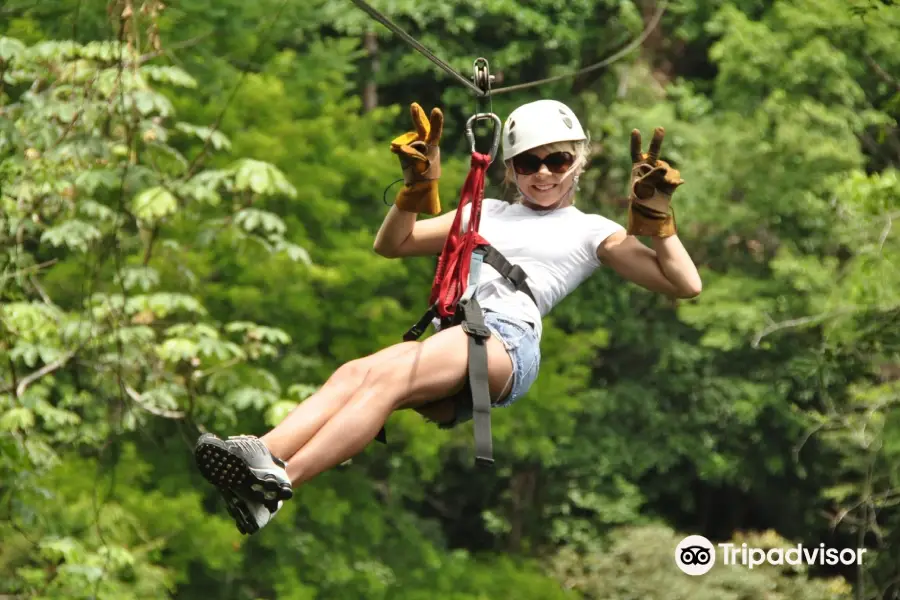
(375, 14)
(605, 62)
(381, 18)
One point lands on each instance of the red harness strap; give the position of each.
(452, 273)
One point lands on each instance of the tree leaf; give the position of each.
(19, 418)
(73, 234)
(261, 178)
(154, 204)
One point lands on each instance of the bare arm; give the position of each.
(402, 235)
(666, 268)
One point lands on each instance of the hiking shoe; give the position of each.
(244, 465)
(249, 516)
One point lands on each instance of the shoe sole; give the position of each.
(237, 508)
(226, 470)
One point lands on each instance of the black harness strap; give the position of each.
(513, 273)
(416, 331)
(382, 436)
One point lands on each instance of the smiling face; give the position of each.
(546, 175)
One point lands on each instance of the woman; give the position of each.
(545, 150)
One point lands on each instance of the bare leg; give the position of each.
(435, 368)
(305, 420)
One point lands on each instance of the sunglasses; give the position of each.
(528, 164)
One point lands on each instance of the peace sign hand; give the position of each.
(420, 158)
(421, 146)
(653, 182)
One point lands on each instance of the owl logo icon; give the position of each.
(695, 555)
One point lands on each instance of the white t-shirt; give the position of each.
(557, 249)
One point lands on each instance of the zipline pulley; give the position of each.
(482, 77)
(484, 105)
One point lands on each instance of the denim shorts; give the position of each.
(523, 346)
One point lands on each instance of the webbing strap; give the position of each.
(416, 331)
(454, 284)
(472, 317)
(513, 273)
(479, 383)
(452, 272)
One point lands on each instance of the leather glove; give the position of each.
(653, 182)
(420, 158)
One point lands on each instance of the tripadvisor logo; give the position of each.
(696, 555)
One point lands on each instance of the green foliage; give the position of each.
(187, 210)
(84, 175)
(637, 563)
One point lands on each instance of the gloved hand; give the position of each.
(653, 182)
(420, 157)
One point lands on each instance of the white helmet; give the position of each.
(538, 123)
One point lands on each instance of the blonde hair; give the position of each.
(581, 150)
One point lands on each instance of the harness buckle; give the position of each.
(416, 331)
(517, 276)
(475, 330)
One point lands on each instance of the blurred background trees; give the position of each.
(188, 200)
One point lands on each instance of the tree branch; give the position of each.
(12, 370)
(45, 370)
(28, 270)
(797, 323)
(153, 410)
(183, 44)
(809, 433)
(40, 290)
(199, 374)
(148, 251)
(884, 233)
(882, 74)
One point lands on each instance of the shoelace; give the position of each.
(249, 444)
(254, 445)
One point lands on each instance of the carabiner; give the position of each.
(483, 79)
(498, 126)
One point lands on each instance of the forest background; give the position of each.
(188, 199)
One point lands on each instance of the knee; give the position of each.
(351, 373)
(392, 373)
(375, 366)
